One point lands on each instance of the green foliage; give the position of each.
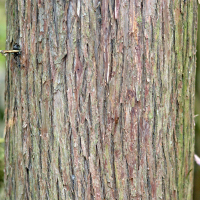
(197, 118)
(2, 30)
(2, 68)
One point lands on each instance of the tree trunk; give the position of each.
(100, 103)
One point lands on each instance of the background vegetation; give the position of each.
(2, 79)
(197, 119)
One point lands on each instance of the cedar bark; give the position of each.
(102, 104)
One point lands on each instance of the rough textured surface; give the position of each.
(102, 105)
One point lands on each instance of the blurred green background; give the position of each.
(2, 79)
(197, 118)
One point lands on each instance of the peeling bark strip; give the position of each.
(102, 106)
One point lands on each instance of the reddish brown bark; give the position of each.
(102, 105)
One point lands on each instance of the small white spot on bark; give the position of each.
(78, 8)
(197, 159)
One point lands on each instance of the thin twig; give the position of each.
(9, 51)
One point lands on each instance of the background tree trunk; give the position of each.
(102, 105)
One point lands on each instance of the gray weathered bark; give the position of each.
(102, 105)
